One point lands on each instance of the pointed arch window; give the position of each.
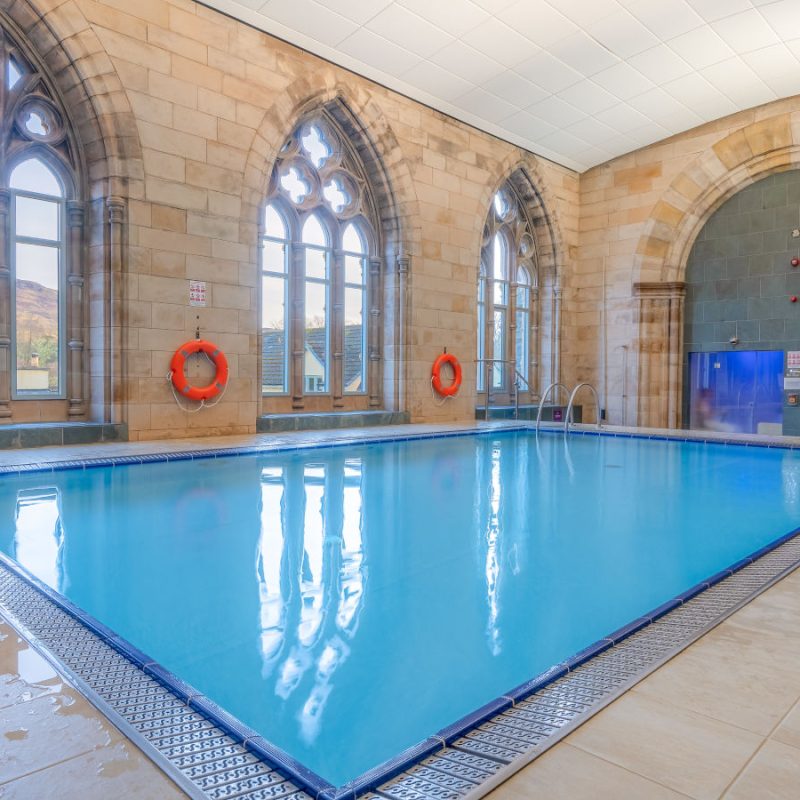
(506, 298)
(319, 250)
(42, 308)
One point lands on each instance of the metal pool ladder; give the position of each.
(568, 415)
(545, 396)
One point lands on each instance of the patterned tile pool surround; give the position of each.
(209, 753)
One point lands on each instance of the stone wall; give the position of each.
(740, 278)
(192, 107)
(640, 215)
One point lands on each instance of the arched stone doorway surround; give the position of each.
(734, 162)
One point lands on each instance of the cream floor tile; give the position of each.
(573, 774)
(685, 751)
(119, 771)
(774, 774)
(24, 674)
(753, 691)
(48, 729)
(788, 731)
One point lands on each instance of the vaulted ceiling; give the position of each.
(576, 81)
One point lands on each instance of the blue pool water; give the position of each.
(348, 602)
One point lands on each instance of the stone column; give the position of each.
(76, 379)
(374, 349)
(401, 350)
(660, 353)
(114, 358)
(555, 341)
(297, 328)
(533, 372)
(336, 327)
(5, 309)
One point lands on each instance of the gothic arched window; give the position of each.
(41, 223)
(319, 248)
(507, 292)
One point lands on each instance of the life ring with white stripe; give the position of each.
(181, 382)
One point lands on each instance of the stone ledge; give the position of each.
(279, 423)
(46, 434)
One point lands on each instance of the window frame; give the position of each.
(508, 223)
(61, 246)
(343, 165)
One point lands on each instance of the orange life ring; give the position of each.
(436, 372)
(181, 382)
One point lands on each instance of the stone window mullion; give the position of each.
(297, 324)
(5, 306)
(374, 349)
(75, 310)
(336, 323)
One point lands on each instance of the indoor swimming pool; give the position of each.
(348, 602)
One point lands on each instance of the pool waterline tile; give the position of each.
(488, 735)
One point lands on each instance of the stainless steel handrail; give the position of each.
(517, 376)
(544, 397)
(568, 415)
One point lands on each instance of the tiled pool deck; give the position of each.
(718, 720)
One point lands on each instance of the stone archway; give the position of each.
(733, 163)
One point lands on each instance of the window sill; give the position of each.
(279, 423)
(48, 434)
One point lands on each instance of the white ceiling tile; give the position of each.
(664, 109)
(466, 62)
(524, 124)
(548, 72)
(454, 16)
(777, 67)
(485, 105)
(436, 81)
(356, 10)
(588, 97)
(711, 10)
(696, 93)
(494, 6)
(565, 142)
(746, 31)
(312, 19)
(379, 52)
(537, 21)
(622, 118)
(648, 133)
(515, 89)
(701, 47)
(575, 80)
(784, 17)
(660, 64)
(583, 54)
(556, 111)
(495, 39)
(622, 34)
(399, 25)
(591, 129)
(666, 19)
(738, 82)
(585, 12)
(623, 81)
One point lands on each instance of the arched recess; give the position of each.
(524, 178)
(734, 162)
(356, 114)
(109, 170)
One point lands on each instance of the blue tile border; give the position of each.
(273, 756)
(283, 447)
